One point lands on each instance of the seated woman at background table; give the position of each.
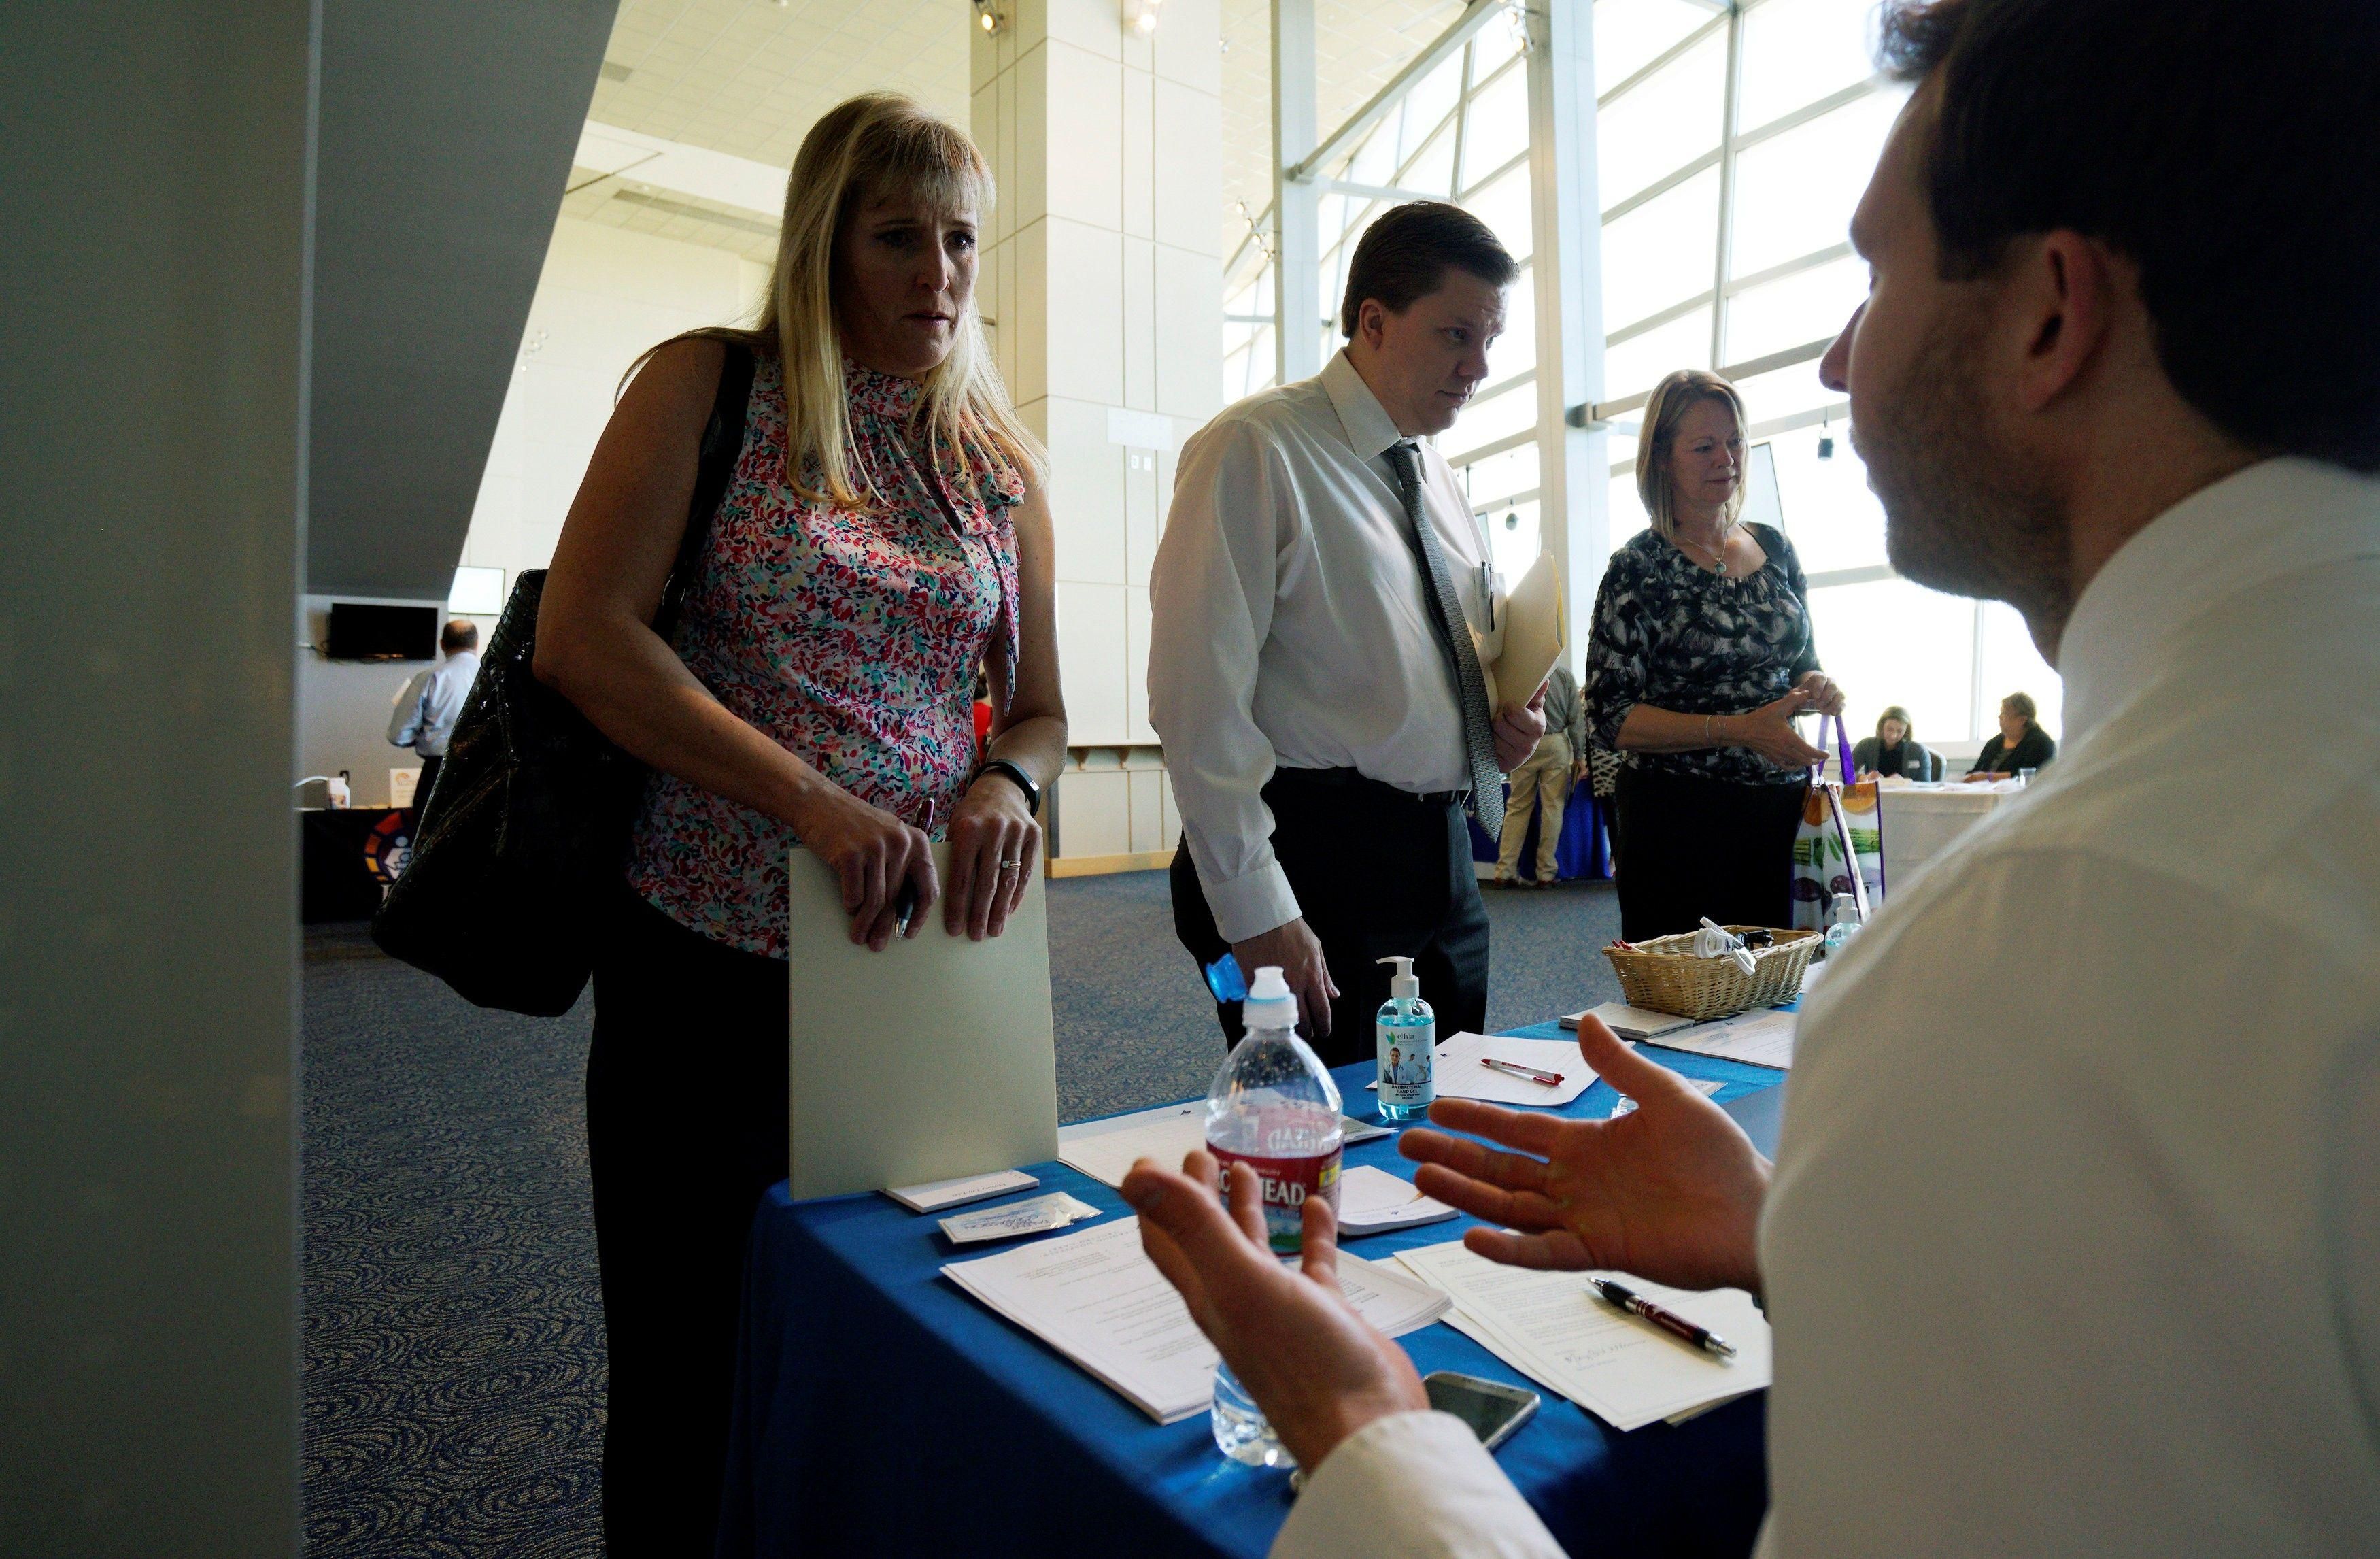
(1699, 657)
(1893, 749)
(2020, 745)
(882, 535)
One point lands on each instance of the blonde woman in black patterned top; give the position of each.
(1700, 655)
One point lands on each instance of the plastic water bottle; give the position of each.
(1274, 1108)
(1842, 922)
(1406, 1031)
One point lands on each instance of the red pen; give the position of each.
(1670, 1320)
(1549, 1079)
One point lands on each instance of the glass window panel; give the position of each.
(1428, 105)
(1621, 447)
(1781, 392)
(1796, 52)
(1432, 173)
(1627, 510)
(1661, 126)
(1834, 521)
(1795, 193)
(1513, 539)
(1795, 310)
(1632, 34)
(1491, 46)
(1375, 160)
(1498, 129)
(1504, 207)
(1331, 218)
(1895, 643)
(1499, 476)
(1639, 362)
(1485, 422)
(2012, 666)
(1662, 252)
(1515, 351)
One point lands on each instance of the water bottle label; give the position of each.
(1287, 1183)
(1407, 1054)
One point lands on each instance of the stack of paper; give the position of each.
(1763, 1038)
(1106, 1149)
(1631, 1023)
(1460, 1076)
(1551, 1326)
(934, 1195)
(1097, 1297)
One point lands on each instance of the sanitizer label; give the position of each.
(1406, 1053)
(1287, 1183)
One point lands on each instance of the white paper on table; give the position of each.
(1096, 1297)
(1032, 1216)
(1372, 1200)
(932, 1196)
(1630, 1023)
(1106, 1149)
(1459, 1075)
(1552, 1327)
(1765, 1039)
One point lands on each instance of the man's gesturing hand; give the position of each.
(1670, 1192)
(1320, 1371)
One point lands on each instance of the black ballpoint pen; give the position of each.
(1668, 1320)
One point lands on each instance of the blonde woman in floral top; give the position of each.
(883, 535)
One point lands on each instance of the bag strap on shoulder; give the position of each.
(723, 444)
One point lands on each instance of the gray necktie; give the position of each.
(1438, 591)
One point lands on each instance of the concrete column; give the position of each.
(1102, 281)
(1573, 463)
(1296, 203)
(157, 191)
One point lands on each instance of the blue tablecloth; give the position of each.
(882, 1410)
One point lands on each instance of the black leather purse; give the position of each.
(520, 846)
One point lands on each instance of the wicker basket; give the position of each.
(1663, 975)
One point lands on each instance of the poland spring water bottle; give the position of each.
(1275, 1109)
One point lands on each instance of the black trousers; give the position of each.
(1689, 847)
(687, 1122)
(1377, 874)
(430, 767)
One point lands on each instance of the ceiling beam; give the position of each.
(1338, 141)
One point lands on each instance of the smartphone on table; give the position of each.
(1494, 1411)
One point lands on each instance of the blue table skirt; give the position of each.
(881, 1410)
(1584, 849)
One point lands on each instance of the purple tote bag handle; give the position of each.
(1842, 751)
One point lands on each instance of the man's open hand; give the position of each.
(1670, 1192)
(1320, 1371)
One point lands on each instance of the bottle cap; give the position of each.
(1270, 1005)
(1403, 982)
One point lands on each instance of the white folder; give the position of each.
(932, 1059)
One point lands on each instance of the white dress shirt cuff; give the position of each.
(1251, 904)
(1413, 1486)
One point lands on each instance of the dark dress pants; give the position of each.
(1377, 874)
(1689, 847)
(686, 1124)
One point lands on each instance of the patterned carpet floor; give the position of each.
(452, 1332)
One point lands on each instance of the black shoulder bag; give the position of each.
(520, 846)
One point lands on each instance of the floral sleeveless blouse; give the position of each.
(851, 636)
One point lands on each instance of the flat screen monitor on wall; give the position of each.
(362, 632)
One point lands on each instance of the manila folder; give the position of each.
(932, 1059)
(1535, 632)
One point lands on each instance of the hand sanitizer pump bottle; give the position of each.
(1407, 1031)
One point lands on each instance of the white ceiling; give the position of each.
(748, 78)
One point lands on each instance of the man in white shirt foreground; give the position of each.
(2100, 1273)
(428, 706)
(1320, 608)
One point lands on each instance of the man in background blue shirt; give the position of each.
(426, 710)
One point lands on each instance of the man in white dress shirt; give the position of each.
(428, 706)
(1320, 606)
(2073, 1245)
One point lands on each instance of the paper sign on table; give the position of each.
(1763, 1038)
(1036, 1215)
(1631, 1023)
(1105, 1150)
(1372, 1201)
(1096, 1297)
(1552, 1327)
(1459, 1075)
